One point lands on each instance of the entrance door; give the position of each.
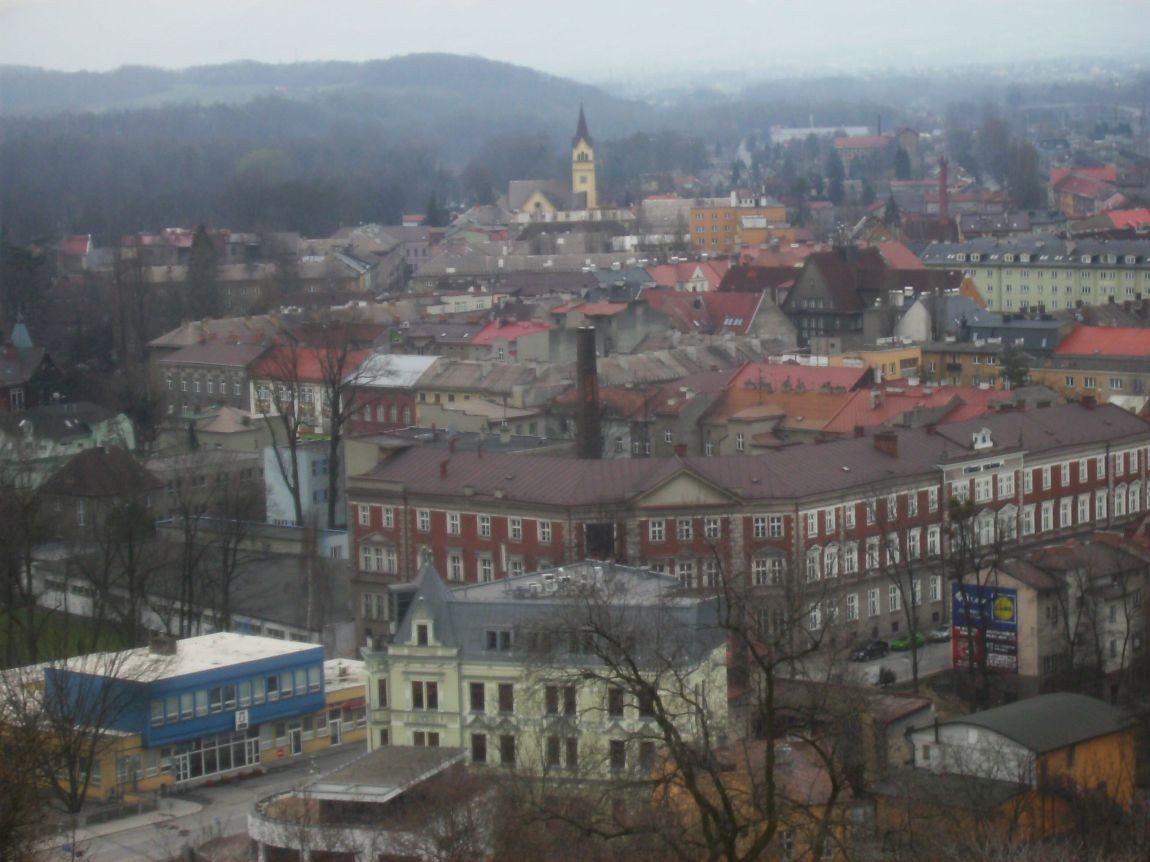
(295, 739)
(183, 767)
(335, 728)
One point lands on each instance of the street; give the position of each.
(932, 658)
(224, 812)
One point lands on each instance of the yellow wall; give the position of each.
(583, 173)
(719, 229)
(894, 363)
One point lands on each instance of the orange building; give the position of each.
(721, 225)
(1013, 774)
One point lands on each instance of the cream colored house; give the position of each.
(511, 671)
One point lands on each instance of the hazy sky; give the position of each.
(586, 39)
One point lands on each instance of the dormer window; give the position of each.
(975, 257)
(1085, 258)
(1024, 258)
(1129, 259)
(422, 634)
(1009, 258)
(982, 439)
(960, 257)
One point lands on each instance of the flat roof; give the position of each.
(193, 655)
(385, 773)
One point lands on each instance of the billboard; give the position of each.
(984, 622)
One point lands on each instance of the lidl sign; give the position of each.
(984, 622)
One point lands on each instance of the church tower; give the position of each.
(583, 164)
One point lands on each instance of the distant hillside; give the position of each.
(415, 96)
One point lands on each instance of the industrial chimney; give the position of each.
(588, 433)
(943, 197)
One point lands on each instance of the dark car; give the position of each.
(870, 650)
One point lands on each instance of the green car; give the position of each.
(902, 643)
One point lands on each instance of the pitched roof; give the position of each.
(393, 370)
(497, 330)
(793, 472)
(101, 472)
(581, 133)
(863, 142)
(249, 330)
(942, 403)
(1050, 721)
(305, 364)
(1105, 341)
(221, 353)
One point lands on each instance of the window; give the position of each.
(1083, 470)
(710, 572)
(484, 522)
(1089, 383)
(1083, 508)
(364, 515)
(712, 528)
(507, 750)
(872, 552)
(506, 698)
(894, 598)
(892, 507)
(454, 567)
(486, 570)
(933, 540)
(850, 558)
(683, 529)
(656, 530)
(1046, 478)
(1047, 516)
(618, 754)
(1028, 521)
(814, 564)
(1005, 486)
(849, 516)
(913, 543)
(1100, 467)
(515, 529)
(852, 607)
(872, 603)
(668, 436)
(932, 499)
(871, 511)
(983, 489)
(912, 504)
(479, 748)
(831, 561)
(425, 695)
(812, 523)
(740, 441)
(892, 549)
(934, 586)
(775, 526)
(498, 640)
(423, 520)
(453, 524)
(477, 696)
(1064, 473)
(545, 532)
(1065, 512)
(421, 634)
(615, 702)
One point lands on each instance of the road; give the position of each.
(224, 812)
(932, 658)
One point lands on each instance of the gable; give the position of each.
(684, 489)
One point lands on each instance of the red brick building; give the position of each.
(383, 397)
(834, 517)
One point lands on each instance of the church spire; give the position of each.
(581, 132)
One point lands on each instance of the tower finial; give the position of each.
(581, 132)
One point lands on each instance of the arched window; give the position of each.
(394, 414)
(1135, 497)
(814, 563)
(1119, 500)
(831, 561)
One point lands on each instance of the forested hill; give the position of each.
(418, 94)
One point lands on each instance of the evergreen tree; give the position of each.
(901, 165)
(835, 175)
(868, 195)
(1015, 366)
(890, 213)
(436, 214)
(204, 299)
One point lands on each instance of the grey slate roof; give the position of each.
(1050, 721)
(644, 598)
(791, 473)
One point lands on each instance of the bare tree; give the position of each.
(676, 777)
(280, 399)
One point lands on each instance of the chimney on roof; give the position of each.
(443, 468)
(943, 194)
(887, 443)
(1089, 402)
(588, 431)
(859, 431)
(160, 643)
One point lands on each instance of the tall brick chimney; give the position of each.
(887, 443)
(943, 194)
(588, 431)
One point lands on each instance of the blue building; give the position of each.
(178, 711)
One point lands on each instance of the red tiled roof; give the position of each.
(899, 256)
(863, 142)
(305, 364)
(710, 312)
(1106, 173)
(673, 274)
(498, 331)
(78, 246)
(964, 403)
(602, 309)
(1085, 187)
(1106, 341)
(778, 375)
(1128, 219)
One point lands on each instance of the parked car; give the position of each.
(868, 650)
(902, 643)
(938, 634)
